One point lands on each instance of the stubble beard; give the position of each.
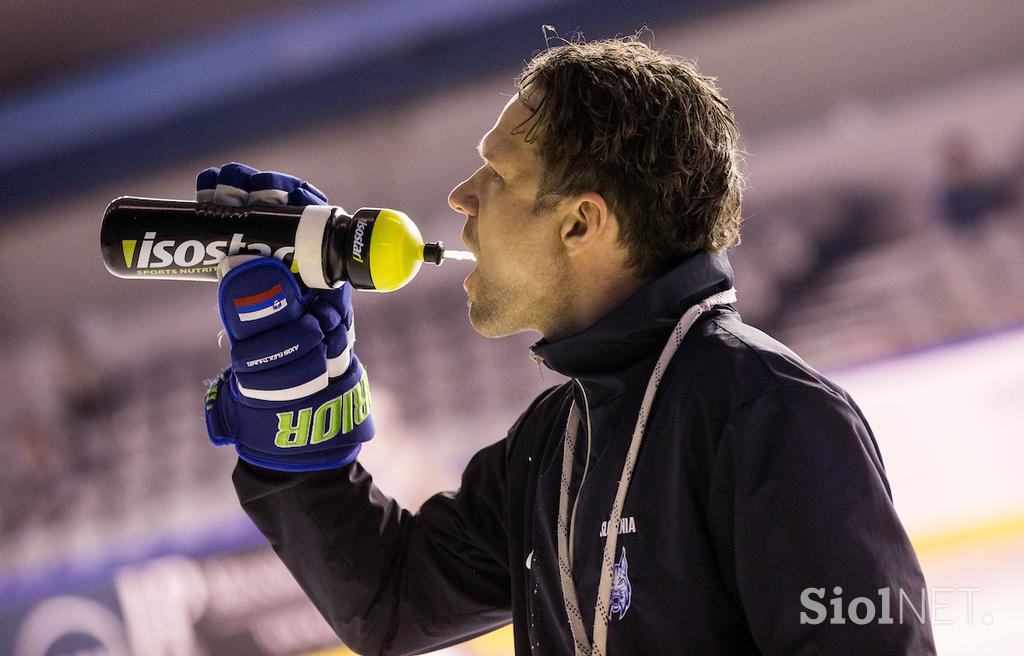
(493, 309)
(500, 309)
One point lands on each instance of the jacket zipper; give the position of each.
(583, 478)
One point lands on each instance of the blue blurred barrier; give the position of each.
(253, 77)
(234, 602)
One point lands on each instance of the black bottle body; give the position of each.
(185, 240)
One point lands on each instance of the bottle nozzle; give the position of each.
(433, 252)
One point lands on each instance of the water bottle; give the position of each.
(374, 249)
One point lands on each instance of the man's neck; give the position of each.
(594, 297)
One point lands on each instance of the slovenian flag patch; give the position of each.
(264, 304)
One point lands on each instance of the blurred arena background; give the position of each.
(884, 242)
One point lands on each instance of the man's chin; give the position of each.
(485, 322)
(480, 324)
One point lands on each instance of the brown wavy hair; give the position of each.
(649, 133)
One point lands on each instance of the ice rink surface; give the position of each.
(994, 623)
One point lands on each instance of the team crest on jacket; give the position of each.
(622, 591)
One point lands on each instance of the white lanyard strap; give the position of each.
(572, 607)
(583, 646)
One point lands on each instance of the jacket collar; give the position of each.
(603, 353)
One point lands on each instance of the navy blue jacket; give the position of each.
(757, 480)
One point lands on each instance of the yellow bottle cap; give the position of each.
(396, 250)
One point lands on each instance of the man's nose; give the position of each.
(463, 200)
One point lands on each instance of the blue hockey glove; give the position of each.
(295, 397)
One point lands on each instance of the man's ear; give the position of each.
(587, 224)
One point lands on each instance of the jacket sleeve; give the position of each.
(389, 581)
(801, 514)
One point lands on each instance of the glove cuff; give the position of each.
(341, 458)
(323, 431)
